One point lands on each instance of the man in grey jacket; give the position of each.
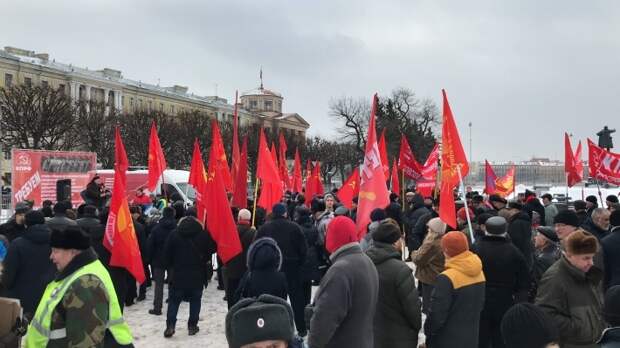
(344, 305)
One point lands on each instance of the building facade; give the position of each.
(257, 107)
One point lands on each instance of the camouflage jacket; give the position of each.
(83, 310)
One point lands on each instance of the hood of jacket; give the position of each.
(417, 202)
(264, 254)
(467, 263)
(189, 228)
(37, 234)
(381, 252)
(168, 223)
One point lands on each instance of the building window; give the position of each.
(44, 84)
(7, 155)
(131, 106)
(172, 109)
(28, 81)
(161, 107)
(139, 104)
(150, 105)
(268, 105)
(253, 104)
(122, 100)
(8, 80)
(61, 89)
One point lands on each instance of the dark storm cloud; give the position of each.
(522, 72)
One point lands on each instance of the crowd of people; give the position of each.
(527, 273)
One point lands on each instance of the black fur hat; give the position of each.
(71, 237)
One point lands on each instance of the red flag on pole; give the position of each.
(426, 184)
(573, 166)
(240, 195)
(274, 154)
(197, 178)
(350, 188)
(406, 160)
(296, 185)
(120, 235)
(318, 181)
(489, 179)
(236, 156)
(604, 165)
(156, 161)
(384, 157)
(395, 185)
(221, 161)
(286, 180)
(373, 191)
(505, 185)
(453, 159)
(220, 221)
(310, 183)
(267, 172)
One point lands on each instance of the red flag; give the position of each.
(220, 221)
(384, 157)
(350, 189)
(489, 178)
(220, 153)
(318, 181)
(236, 156)
(240, 195)
(505, 185)
(373, 191)
(197, 178)
(297, 179)
(395, 186)
(604, 165)
(274, 154)
(406, 160)
(157, 161)
(426, 184)
(267, 172)
(286, 180)
(573, 166)
(310, 189)
(452, 158)
(120, 235)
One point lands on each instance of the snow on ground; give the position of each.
(148, 330)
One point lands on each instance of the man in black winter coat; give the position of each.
(94, 227)
(420, 229)
(155, 246)
(598, 223)
(27, 266)
(507, 279)
(236, 267)
(611, 250)
(520, 231)
(416, 210)
(532, 204)
(15, 226)
(186, 254)
(292, 243)
(60, 220)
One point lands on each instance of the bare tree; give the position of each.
(36, 118)
(353, 114)
(95, 131)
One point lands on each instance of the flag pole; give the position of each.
(254, 209)
(402, 175)
(471, 231)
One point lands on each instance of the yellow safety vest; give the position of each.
(39, 332)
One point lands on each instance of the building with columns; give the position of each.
(259, 106)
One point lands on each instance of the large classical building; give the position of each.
(258, 106)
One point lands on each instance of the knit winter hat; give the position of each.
(462, 214)
(278, 209)
(34, 217)
(592, 199)
(377, 214)
(581, 242)
(436, 225)
(72, 237)
(566, 217)
(387, 232)
(548, 232)
(611, 309)
(341, 211)
(340, 231)
(526, 325)
(244, 215)
(612, 199)
(254, 320)
(454, 243)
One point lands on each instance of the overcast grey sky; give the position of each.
(522, 72)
